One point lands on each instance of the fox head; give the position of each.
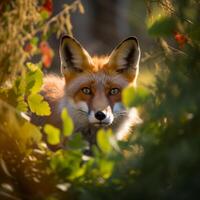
(94, 85)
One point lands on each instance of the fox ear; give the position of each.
(72, 55)
(125, 57)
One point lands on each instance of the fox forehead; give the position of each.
(97, 80)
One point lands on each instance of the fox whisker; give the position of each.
(82, 111)
(120, 114)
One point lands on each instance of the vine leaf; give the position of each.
(103, 140)
(68, 125)
(38, 105)
(53, 134)
(132, 97)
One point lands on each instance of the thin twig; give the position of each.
(50, 21)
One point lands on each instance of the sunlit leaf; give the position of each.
(44, 15)
(134, 97)
(30, 134)
(106, 168)
(34, 41)
(103, 140)
(58, 160)
(34, 78)
(21, 104)
(32, 67)
(53, 134)
(19, 86)
(127, 96)
(68, 125)
(38, 105)
(77, 142)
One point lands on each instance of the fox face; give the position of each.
(94, 85)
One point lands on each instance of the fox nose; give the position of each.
(100, 115)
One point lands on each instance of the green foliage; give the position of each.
(21, 104)
(21, 23)
(53, 134)
(25, 92)
(134, 97)
(16, 128)
(104, 140)
(33, 79)
(38, 105)
(34, 41)
(44, 15)
(162, 27)
(77, 142)
(68, 125)
(29, 134)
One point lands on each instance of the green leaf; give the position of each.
(31, 133)
(127, 96)
(34, 41)
(38, 105)
(68, 125)
(32, 67)
(44, 15)
(106, 168)
(19, 86)
(134, 97)
(34, 81)
(21, 104)
(34, 78)
(53, 134)
(77, 142)
(103, 140)
(162, 27)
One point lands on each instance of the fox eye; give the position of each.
(86, 90)
(114, 91)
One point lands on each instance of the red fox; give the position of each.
(91, 88)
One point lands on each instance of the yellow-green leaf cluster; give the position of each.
(134, 97)
(68, 125)
(38, 105)
(53, 134)
(104, 140)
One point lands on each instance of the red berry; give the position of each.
(28, 47)
(180, 39)
(47, 54)
(48, 6)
